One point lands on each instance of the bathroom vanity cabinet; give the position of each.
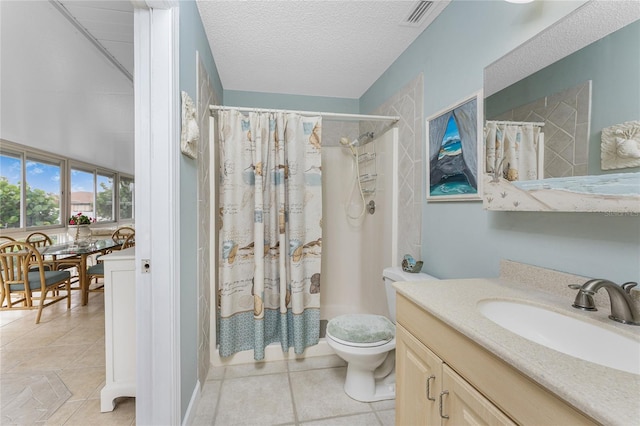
(430, 392)
(440, 373)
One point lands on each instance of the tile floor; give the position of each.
(305, 392)
(52, 373)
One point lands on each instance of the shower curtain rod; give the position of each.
(518, 123)
(328, 115)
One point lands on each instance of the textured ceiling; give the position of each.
(589, 23)
(318, 48)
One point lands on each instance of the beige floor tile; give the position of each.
(206, 410)
(68, 345)
(80, 336)
(383, 405)
(9, 336)
(316, 362)
(216, 373)
(51, 358)
(9, 359)
(82, 382)
(7, 317)
(36, 339)
(89, 414)
(256, 400)
(319, 394)
(30, 398)
(93, 356)
(388, 417)
(255, 369)
(63, 413)
(367, 419)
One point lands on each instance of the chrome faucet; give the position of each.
(622, 309)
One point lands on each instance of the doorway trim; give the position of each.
(157, 200)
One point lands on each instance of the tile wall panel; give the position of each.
(408, 104)
(205, 97)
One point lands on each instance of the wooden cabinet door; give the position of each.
(465, 405)
(418, 381)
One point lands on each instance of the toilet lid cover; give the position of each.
(361, 328)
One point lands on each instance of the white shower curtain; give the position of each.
(271, 236)
(512, 150)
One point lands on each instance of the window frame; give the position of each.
(96, 171)
(133, 201)
(25, 154)
(46, 159)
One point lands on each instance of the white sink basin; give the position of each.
(565, 334)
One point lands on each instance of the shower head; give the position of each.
(361, 140)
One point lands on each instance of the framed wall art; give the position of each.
(454, 151)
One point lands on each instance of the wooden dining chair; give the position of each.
(39, 240)
(130, 241)
(6, 239)
(70, 263)
(121, 234)
(97, 271)
(23, 272)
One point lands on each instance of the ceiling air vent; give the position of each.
(417, 13)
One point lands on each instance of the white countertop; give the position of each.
(607, 395)
(125, 254)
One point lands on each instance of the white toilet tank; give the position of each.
(393, 274)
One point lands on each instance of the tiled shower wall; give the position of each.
(205, 97)
(332, 131)
(408, 104)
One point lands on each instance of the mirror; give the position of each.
(578, 82)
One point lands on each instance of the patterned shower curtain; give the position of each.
(512, 151)
(271, 236)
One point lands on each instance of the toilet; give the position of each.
(367, 343)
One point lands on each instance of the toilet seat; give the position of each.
(357, 345)
(361, 330)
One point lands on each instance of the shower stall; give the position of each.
(355, 247)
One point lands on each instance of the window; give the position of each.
(43, 193)
(10, 190)
(41, 190)
(104, 198)
(92, 194)
(81, 194)
(126, 198)
(36, 204)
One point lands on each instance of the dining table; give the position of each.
(80, 252)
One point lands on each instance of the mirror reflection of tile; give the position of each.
(566, 128)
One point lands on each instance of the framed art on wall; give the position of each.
(454, 151)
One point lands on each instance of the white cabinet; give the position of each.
(429, 392)
(120, 327)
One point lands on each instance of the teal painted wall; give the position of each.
(461, 239)
(292, 102)
(192, 39)
(613, 66)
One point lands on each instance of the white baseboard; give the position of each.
(190, 415)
